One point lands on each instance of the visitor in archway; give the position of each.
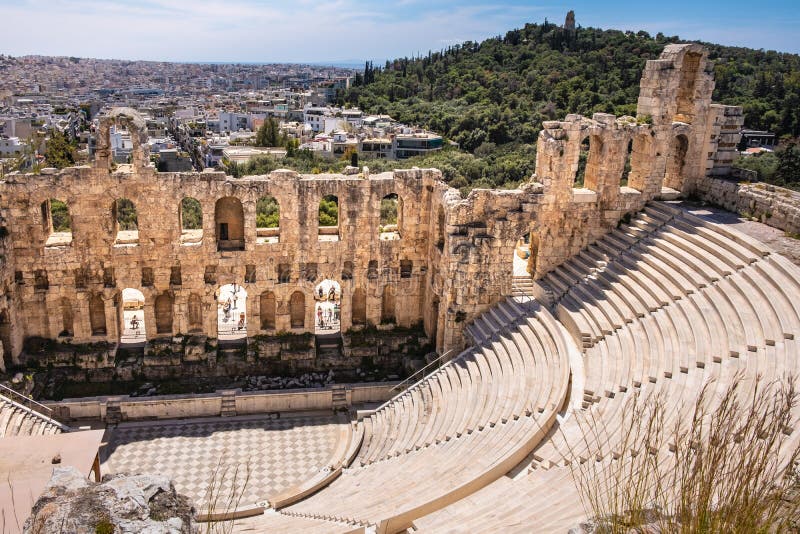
(321, 294)
(135, 322)
(319, 316)
(332, 293)
(241, 321)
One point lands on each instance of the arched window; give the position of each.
(56, 222)
(676, 162)
(347, 270)
(387, 305)
(390, 218)
(229, 224)
(359, 307)
(593, 162)
(268, 220)
(126, 222)
(195, 313)
(297, 310)
(97, 315)
(163, 309)
(583, 156)
(329, 218)
(626, 168)
(67, 319)
(191, 219)
(267, 310)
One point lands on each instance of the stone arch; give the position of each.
(135, 125)
(388, 305)
(641, 160)
(130, 307)
(676, 162)
(67, 319)
(125, 221)
(97, 315)
(390, 216)
(190, 218)
(690, 69)
(297, 309)
(56, 222)
(583, 155)
(229, 223)
(268, 219)
(267, 307)
(329, 217)
(195, 313)
(163, 310)
(627, 164)
(359, 307)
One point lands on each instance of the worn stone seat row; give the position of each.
(18, 421)
(458, 429)
(735, 325)
(659, 258)
(512, 372)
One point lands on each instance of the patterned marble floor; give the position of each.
(280, 452)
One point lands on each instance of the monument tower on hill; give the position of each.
(569, 22)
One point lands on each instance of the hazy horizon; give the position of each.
(349, 32)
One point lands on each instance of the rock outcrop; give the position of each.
(120, 504)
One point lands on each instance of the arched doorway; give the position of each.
(231, 312)
(133, 330)
(327, 308)
(524, 264)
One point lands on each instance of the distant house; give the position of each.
(408, 145)
(11, 146)
(756, 139)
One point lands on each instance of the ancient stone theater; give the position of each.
(545, 302)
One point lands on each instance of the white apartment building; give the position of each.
(11, 146)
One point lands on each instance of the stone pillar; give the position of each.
(149, 313)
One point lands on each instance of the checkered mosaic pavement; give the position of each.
(281, 452)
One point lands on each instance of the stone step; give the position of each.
(228, 406)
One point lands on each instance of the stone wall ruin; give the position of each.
(452, 260)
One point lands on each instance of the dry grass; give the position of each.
(727, 466)
(219, 498)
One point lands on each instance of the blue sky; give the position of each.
(343, 30)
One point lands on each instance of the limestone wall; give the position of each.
(210, 404)
(776, 206)
(452, 261)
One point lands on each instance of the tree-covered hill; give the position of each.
(492, 97)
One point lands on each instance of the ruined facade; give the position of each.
(452, 259)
